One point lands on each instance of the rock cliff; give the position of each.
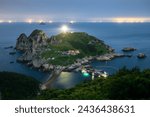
(31, 45)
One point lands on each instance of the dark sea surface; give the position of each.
(117, 35)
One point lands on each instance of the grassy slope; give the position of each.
(74, 41)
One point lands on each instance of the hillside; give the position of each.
(81, 45)
(16, 86)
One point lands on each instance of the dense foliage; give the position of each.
(125, 84)
(86, 44)
(16, 86)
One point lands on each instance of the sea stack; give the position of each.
(128, 49)
(141, 55)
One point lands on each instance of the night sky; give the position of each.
(80, 10)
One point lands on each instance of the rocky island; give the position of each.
(128, 49)
(63, 51)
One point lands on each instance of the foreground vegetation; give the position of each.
(125, 84)
(16, 86)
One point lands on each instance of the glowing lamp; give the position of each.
(64, 29)
(85, 74)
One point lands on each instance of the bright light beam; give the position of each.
(64, 29)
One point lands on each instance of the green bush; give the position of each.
(17, 86)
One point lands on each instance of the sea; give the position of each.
(117, 35)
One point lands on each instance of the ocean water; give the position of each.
(117, 35)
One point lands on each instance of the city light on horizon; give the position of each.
(130, 20)
(94, 20)
(29, 21)
(72, 21)
(1, 21)
(50, 21)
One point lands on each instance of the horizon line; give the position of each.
(96, 20)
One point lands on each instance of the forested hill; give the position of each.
(17, 86)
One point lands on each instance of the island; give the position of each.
(60, 51)
(128, 49)
(141, 55)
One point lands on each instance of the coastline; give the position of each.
(57, 71)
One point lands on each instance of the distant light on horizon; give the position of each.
(122, 20)
(40, 21)
(1, 21)
(93, 20)
(50, 21)
(29, 21)
(64, 28)
(10, 21)
(130, 20)
(72, 21)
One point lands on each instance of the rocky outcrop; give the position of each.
(23, 43)
(54, 41)
(128, 49)
(37, 63)
(110, 56)
(141, 55)
(26, 57)
(12, 53)
(31, 46)
(9, 47)
(36, 39)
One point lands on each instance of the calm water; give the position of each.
(114, 34)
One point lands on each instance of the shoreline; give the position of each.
(57, 71)
(53, 76)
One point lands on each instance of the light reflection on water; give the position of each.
(68, 80)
